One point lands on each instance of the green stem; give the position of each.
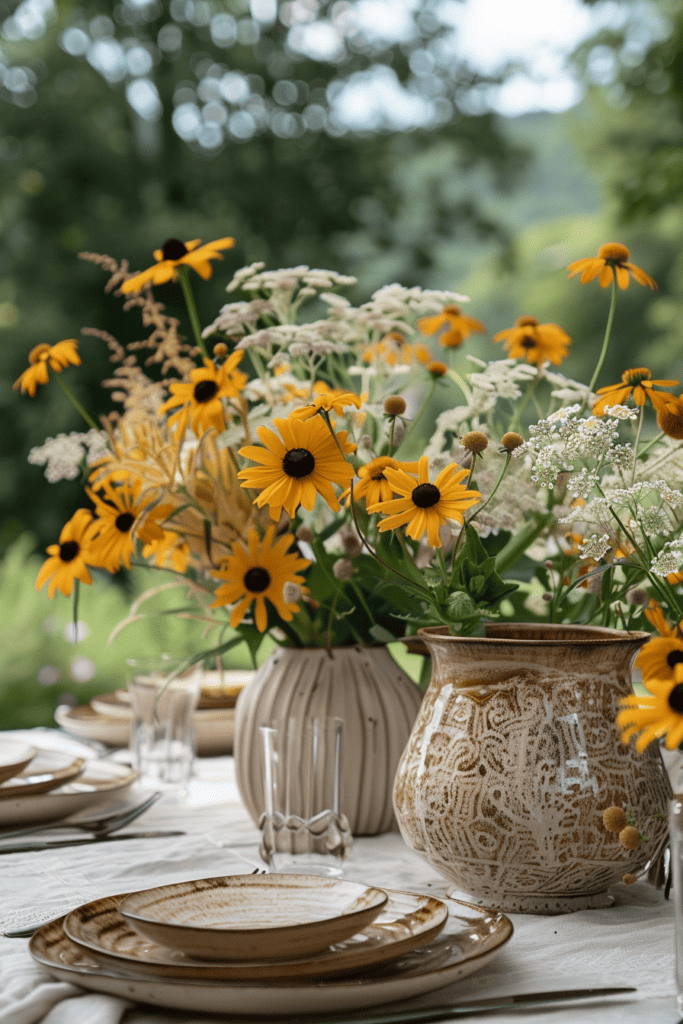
(184, 278)
(466, 390)
(650, 444)
(517, 545)
(608, 333)
(637, 442)
(475, 514)
(352, 505)
(76, 404)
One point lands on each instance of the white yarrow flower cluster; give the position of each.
(596, 546)
(669, 559)
(239, 317)
(500, 379)
(62, 455)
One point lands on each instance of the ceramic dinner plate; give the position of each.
(405, 922)
(471, 938)
(14, 757)
(253, 917)
(47, 770)
(97, 781)
(214, 728)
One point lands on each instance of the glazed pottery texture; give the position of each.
(513, 758)
(363, 686)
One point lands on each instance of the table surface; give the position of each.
(632, 943)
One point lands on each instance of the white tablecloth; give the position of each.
(630, 944)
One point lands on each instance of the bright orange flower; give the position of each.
(611, 262)
(459, 326)
(636, 383)
(58, 357)
(536, 342)
(394, 348)
(174, 254)
(331, 400)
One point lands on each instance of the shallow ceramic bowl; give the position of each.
(253, 917)
(14, 757)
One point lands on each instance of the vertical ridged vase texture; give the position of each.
(364, 686)
(513, 758)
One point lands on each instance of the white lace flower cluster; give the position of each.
(237, 318)
(63, 455)
(596, 546)
(557, 443)
(669, 559)
(499, 379)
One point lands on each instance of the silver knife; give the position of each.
(85, 841)
(525, 1000)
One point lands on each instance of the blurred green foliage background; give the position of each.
(124, 124)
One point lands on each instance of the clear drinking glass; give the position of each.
(162, 740)
(676, 838)
(303, 828)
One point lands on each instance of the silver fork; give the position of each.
(101, 826)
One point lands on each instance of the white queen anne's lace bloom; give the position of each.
(62, 455)
(669, 559)
(596, 546)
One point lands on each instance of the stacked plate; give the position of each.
(44, 785)
(269, 944)
(107, 717)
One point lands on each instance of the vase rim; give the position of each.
(583, 635)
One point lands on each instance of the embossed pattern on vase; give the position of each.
(512, 759)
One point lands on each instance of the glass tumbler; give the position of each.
(162, 740)
(304, 830)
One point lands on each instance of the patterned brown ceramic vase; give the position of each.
(513, 758)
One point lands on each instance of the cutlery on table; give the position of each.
(527, 1000)
(101, 826)
(57, 844)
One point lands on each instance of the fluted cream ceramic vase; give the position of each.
(364, 686)
(513, 758)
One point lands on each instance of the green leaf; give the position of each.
(381, 635)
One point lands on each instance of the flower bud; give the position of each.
(343, 569)
(475, 441)
(629, 838)
(394, 405)
(437, 369)
(511, 440)
(304, 533)
(638, 596)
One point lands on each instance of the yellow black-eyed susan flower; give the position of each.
(118, 522)
(373, 485)
(536, 342)
(611, 262)
(257, 572)
(659, 714)
(334, 400)
(57, 357)
(422, 506)
(459, 326)
(199, 401)
(659, 657)
(174, 254)
(295, 467)
(637, 383)
(67, 561)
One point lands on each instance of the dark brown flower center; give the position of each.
(635, 377)
(68, 550)
(205, 390)
(256, 580)
(298, 462)
(173, 249)
(527, 342)
(674, 658)
(124, 522)
(676, 699)
(425, 495)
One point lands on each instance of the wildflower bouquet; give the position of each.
(270, 465)
(260, 464)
